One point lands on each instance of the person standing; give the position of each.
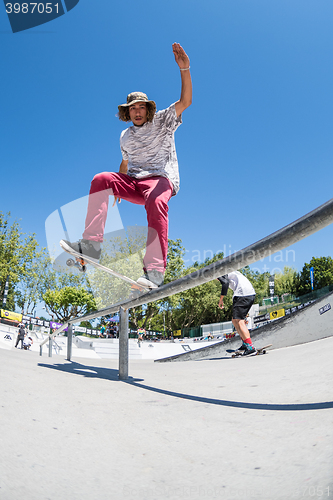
(20, 336)
(148, 175)
(243, 299)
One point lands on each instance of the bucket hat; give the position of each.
(135, 97)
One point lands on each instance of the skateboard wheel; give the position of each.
(70, 262)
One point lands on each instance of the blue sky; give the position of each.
(255, 149)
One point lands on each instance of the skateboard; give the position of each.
(237, 354)
(81, 262)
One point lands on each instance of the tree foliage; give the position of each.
(66, 295)
(286, 282)
(185, 309)
(28, 290)
(69, 302)
(323, 275)
(198, 305)
(19, 259)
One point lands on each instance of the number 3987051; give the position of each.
(32, 8)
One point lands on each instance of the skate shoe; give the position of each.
(249, 350)
(151, 279)
(84, 247)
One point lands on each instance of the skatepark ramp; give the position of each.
(296, 231)
(313, 322)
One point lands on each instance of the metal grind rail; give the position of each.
(292, 233)
(50, 338)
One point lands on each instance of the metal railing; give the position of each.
(292, 233)
(51, 337)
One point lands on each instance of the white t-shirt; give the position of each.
(240, 284)
(150, 149)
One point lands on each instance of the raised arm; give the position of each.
(183, 62)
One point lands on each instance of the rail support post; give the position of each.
(123, 344)
(50, 346)
(69, 342)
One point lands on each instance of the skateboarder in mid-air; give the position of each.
(243, 299)
(148, 175)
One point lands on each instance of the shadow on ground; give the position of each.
(238, 404)
(86, 371)
(112, 374)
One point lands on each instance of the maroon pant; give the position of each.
(152, 192)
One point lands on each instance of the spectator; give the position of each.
(27, 343)
(20, 336)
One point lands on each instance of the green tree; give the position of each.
(66, 294)
(27, 293)
(69, 302)
(135, 317)
(86, 324)
(198, 305)
(286, 282)
(323, 275)
(151, 315)
(19, 255)
(175, 269)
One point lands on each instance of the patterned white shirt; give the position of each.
(150, 149)
(240, 284)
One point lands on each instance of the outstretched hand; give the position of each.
(181, 57)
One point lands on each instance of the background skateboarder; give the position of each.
(148, 174)
(243, 299)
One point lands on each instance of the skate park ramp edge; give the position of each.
(313, 322)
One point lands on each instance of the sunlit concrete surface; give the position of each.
(246, 428)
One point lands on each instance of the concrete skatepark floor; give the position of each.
(255, 428)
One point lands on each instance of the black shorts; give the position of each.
(241, 306)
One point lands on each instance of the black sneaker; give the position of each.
(249, 350)
(151, 279)
(83, 247)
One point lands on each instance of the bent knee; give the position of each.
(102, 181)
(102, 177)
